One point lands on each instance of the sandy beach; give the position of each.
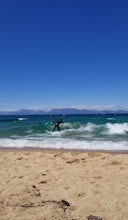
(38, 184)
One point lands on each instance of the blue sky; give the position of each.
(63, 53)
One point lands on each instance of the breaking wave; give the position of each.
(77, 132)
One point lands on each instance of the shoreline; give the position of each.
(52, 150)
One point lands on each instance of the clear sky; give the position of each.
(63, 53)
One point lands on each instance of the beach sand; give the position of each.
(57, 184)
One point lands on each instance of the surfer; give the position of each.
(57, 124)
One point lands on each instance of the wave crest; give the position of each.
(117, 128)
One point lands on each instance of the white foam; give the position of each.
(117, 128)
(90, 127)
(22, 119)
(59, 143)
(111, 119)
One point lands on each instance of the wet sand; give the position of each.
(37, 184)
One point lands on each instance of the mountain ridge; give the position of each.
(62, 111)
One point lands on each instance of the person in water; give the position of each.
(57, 124)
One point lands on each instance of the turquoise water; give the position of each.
(107, 132)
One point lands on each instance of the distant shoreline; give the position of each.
(65, 111)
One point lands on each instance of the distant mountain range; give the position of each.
(62, 111)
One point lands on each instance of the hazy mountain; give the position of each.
(63, 111)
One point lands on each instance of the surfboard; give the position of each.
(48, 131)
